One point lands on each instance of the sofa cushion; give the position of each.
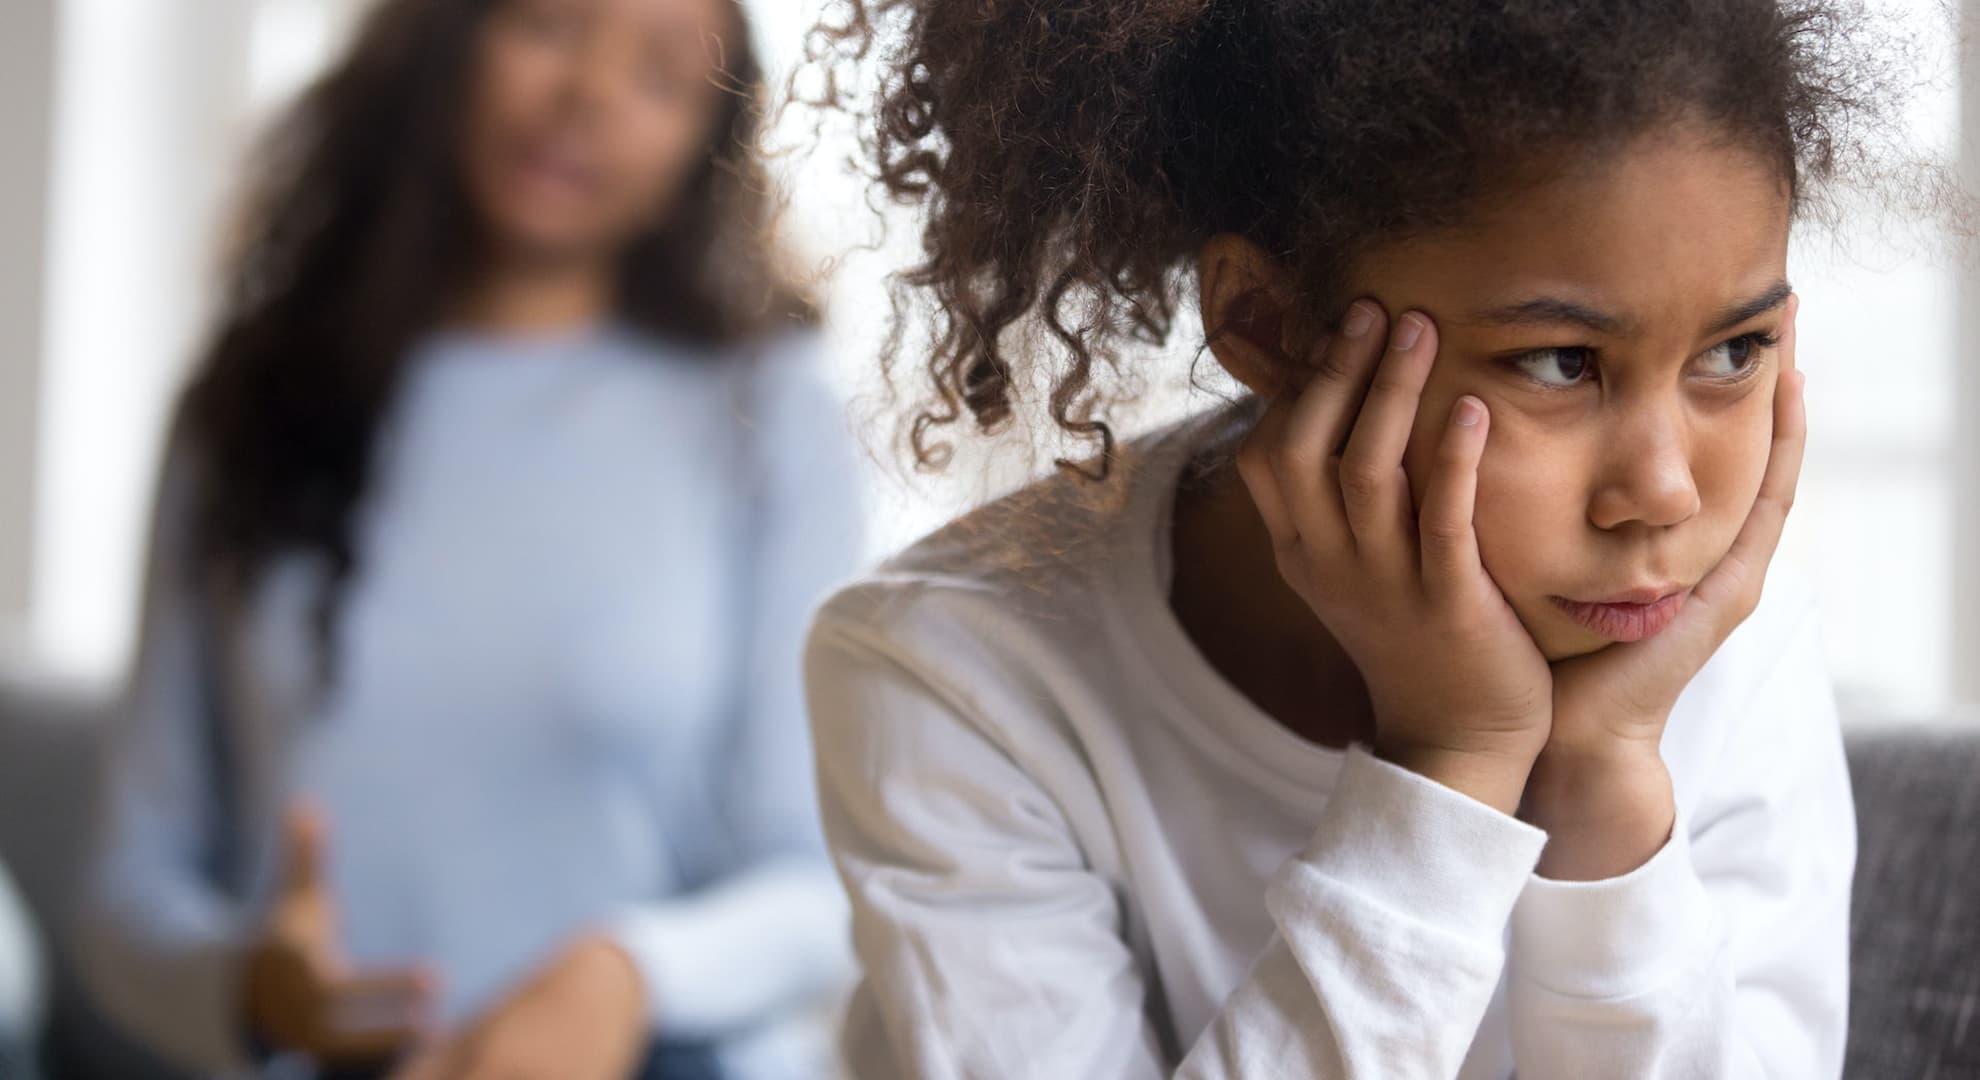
(50, 748)
(50, 751)
(1915, 924)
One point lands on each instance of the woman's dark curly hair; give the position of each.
(1072, 156)
(357, 225)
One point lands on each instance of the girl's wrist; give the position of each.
(1495, 778)
(1605, 813)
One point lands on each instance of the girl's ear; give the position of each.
(1246, 299)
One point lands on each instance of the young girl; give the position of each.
(1419, 715)
(494, 518)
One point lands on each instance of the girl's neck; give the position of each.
(523, 297)
(1252, 628)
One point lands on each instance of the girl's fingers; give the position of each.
(1787, 332)
(1320, 421)
(1254, 465)
(1327, 405)
(1374, 490)
(1451, 564)
(1732, 589)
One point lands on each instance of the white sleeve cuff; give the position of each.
(1413, 845)
(1616, 937)
(729, 956)
(680, 973)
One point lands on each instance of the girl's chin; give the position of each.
(1558, 638)
(1569, 652)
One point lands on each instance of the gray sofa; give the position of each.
(1915, 929)
(1915, 994)
(48, 741)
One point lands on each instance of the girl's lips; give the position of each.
(1624, 621)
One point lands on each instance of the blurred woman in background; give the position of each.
(466, 737)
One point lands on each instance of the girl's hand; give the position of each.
(1601, 777)
(1461, 693)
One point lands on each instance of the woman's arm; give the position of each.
(991, 948)
(161, 947)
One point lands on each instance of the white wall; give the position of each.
(27, 52)
(1966, 450)
(148, 97)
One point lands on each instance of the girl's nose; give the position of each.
(1647, 475)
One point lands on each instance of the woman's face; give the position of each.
(586, 116)
(1617, 323)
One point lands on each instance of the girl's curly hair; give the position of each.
(1072, 156)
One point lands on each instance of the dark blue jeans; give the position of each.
(680, 1061)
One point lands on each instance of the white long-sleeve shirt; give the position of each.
(568, 699)
(1074, 851)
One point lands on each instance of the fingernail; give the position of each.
(1357, 320)
(1469, 412)
(1407, 331)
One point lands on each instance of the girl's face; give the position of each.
(1618, 322)
(586, 116)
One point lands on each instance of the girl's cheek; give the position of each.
(1729, 462)
(1515, 516)
(1532, 503)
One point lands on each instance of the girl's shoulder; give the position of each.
(989, 641)
(1048, 557)
(1025, 562)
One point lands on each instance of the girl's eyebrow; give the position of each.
(1774, 297)
(1554, 309)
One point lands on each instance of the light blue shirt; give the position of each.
(568, 698)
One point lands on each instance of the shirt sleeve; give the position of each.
(159, 944)
(1727, 954)
(992, 948)
(768, 926)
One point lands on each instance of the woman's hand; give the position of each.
(581, 1017)
(1600, 788)
(1461, 693)
(301, 995)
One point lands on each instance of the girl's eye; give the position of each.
(1731, 359)
(1558, 367)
